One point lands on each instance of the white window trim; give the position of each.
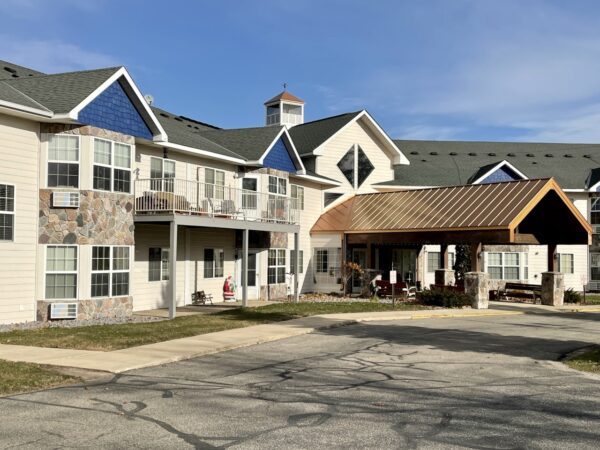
(110, 271)
(13, 213)
(215, 184)
(112, 166)
(287, 189)
(78, 162)
(297, 186)
(162, 172)
(161, 275)
(559, 264)
(67, 272)
(523, 265)
(215, 250)
(277, 266)
(439, 260)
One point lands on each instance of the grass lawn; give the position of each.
(592, 299)
(588, 362)
(18, 377)
(114, 337)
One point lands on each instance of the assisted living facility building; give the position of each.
(111, 205)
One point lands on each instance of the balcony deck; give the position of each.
(173, 197)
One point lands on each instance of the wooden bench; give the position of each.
(521, 290)
(200, 298)
(384, 289)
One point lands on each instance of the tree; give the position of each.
(462, 262)
(350, 269)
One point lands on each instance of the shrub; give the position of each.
(443, 297)
(572, 296)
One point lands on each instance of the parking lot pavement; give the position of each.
(482, 382)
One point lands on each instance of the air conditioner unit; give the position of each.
(63, 310)
(63, 199)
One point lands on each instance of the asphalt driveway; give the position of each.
(434, 383)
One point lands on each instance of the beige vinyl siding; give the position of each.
(324, 241)
(19, 150)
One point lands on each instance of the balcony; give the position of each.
(160, 196)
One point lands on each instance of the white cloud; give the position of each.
(52, 56)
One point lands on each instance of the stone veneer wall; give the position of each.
(86, 130)
(104, 308)
(102, 218)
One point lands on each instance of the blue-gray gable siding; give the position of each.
(279, 158)
(113, 110)
(502, 174)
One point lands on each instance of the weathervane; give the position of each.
(285, 86)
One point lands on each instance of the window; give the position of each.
(322, 261)
(356, 166)
(329, 197)
(327, 265)
(249, 193)
(110, 271)
(451, 260)
(346, 165)
(505, 266)
(595, 211)
(7, 212)
(293, 261)
(297, 193)
(276, 272)
(61, 272)
(213, 262)
(565, 262)
(215, 183)
(158, 264)
(277, 185)
(112, 166)
(63, 161)
(162, 173)
(363, 167)
(433, 261)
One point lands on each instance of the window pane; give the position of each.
(511, 273)
(346, 165)
(433, 261)
(120, 258)
(63, 148)
(495, 259)
(6, 227)
(7, 197)
(100, 258)
(102, 152)
(63, 175)
(281, 274)
(100, 284)
(61, 286)
(495, 273)
(156, 165)
(219, 263)
(120, 283)
(122, 181)
(282, 186)
(209, 258)
(165, 265)
(102, 178)
(281, 257)
(364, 166)
(273, 185)
(272, 275)
(154, 264)
(511, 259)
(122, 156)
(220, 178)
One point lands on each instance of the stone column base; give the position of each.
(553, 288)
(444, 277)
(477, 288)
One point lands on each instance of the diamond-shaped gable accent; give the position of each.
(364, 166)
(346, 165)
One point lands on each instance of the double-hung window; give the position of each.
(504, 266)
(110, 271)
(297, 194)
(293, 261)
(112, 166)
(565, 262)
(277, 263)
(7, 212)
(277, 197)
(63, 161)
(433, 261)
(213, 262)
(61, 272)
(215, 183)
(162, 174)
(158, 264)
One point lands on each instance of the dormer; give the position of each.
(284, 109)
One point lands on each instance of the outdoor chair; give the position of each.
(201, 298)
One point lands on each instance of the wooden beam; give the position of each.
(552, 258)
(444, 255)
(476, 257)
(422, 238)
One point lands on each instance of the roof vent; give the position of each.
(549, 155)
(491, 154)
(534, 162)
(453, 153)
(178, 119)
(414, 153)
(510, 154)
(10, 69)
(433, 153)
(568, 155)
(423, 160)
(472, 154)
(164, 115)
(587, 156)
(530, 155)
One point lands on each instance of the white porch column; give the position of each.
(245, 235)
(297, 266)
(173, 269)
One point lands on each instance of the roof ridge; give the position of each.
(115, 68)
(328, 118)
(25, 95)
(494, 142)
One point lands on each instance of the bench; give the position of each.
(521, 290)
(384, 289)
(201, 298)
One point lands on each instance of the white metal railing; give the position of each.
(170, 195)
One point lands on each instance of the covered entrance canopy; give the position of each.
(516, 212)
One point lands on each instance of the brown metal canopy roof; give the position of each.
(528, 211)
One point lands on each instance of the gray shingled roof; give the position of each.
(310, 135)
(250, 143)
(446, 163)
(61, 92)
(9, 70)
(10, 94)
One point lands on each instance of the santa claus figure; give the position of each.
(228, 289)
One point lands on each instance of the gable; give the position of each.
(113, 110)
(279, 157)
(503, 173)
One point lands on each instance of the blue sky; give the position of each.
(450, 69)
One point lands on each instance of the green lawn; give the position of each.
(18, 377)
(591, 299)
(588, 362)
(114, 337)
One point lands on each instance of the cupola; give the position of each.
(284, 109)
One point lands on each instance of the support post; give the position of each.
(552, 258)
(245, 237)
(476, 257)
(173, 269)
(444, 255)
(297, 266)
(369, 256)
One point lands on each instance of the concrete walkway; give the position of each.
(185, 348)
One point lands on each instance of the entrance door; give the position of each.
(359, 256)
(405, 264)
(253, 276)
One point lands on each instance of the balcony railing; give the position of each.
(169, 195)
(294, 119)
